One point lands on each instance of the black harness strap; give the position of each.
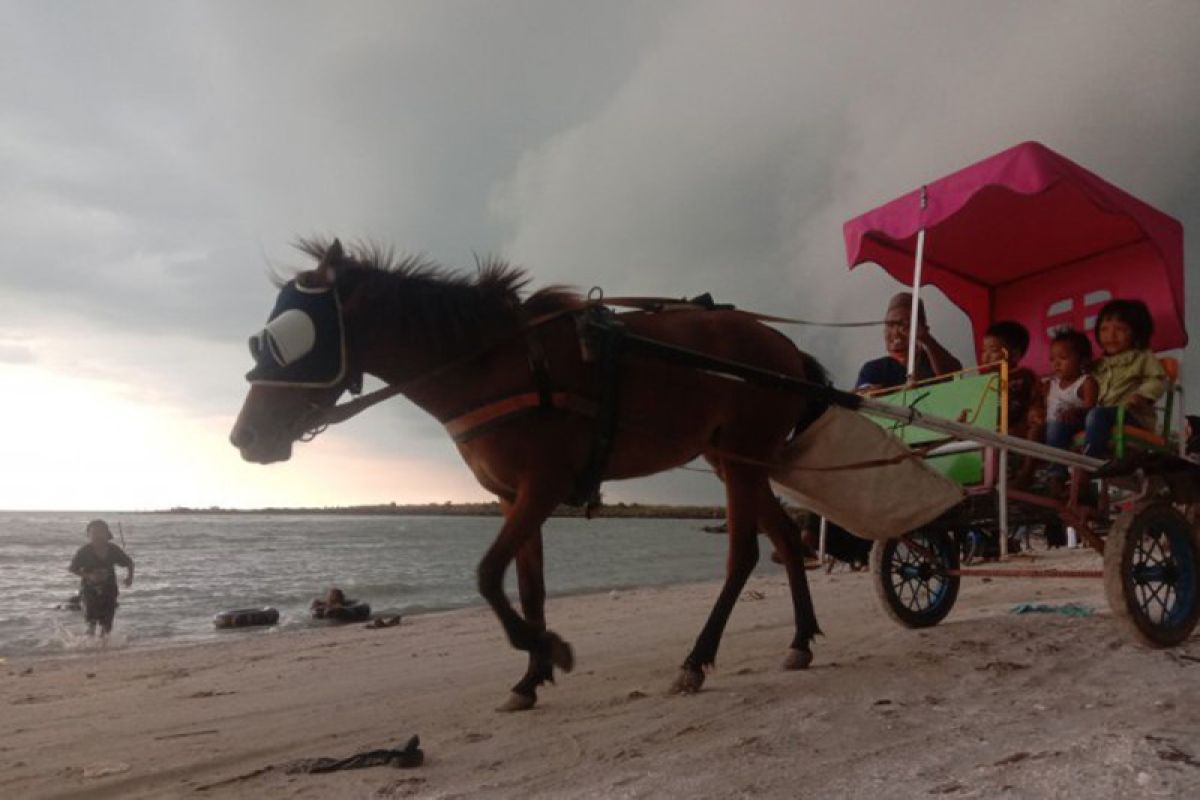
(603, 338)
(539, 367)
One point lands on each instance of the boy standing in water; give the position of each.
(95, 564)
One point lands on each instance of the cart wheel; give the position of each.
(910, 577)
(1152, 574)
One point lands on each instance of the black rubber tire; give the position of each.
(246, 618)
(1152, 574)
(913, 588)
(358, 612)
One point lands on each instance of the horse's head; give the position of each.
(301, 365)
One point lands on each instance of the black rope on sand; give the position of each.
(410, 756)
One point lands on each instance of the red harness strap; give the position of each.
(479, 420)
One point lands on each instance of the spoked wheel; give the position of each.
(1152, 574)
(910, 577)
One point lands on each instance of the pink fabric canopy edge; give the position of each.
(887, 236)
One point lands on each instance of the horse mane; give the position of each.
(444, 308)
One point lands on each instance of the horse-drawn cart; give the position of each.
(547, 395)
(1029, 236)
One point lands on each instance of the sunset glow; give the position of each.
(76, 444)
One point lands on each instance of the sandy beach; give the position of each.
(988, 704)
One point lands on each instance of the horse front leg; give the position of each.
(532, 588)
(742, 521)
(522, 525)
(785, 535)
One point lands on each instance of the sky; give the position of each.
(157, 160)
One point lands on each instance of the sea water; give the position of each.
(190, 567)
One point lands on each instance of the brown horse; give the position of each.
(535, 406)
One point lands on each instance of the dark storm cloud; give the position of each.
(154, 151)
(732, 157)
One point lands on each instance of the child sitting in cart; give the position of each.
(1127, 375)
(1008, 341)
(1070, 394)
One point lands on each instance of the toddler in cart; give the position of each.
(1070, 394)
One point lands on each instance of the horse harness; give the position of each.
(293, 351)
(603, 340)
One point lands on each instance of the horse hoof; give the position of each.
(688, 681)
(798, 659)
(517, 702)
(561, 654)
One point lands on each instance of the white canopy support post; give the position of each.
(1002, 498)
(821, 542)
(914, 312)
(1002, 482)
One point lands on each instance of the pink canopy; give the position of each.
(1030, 236)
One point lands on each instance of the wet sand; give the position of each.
(987, 704)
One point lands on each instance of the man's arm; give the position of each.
(941, 361)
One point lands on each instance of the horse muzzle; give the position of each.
(258, 449)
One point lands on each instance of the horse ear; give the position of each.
(334, 255)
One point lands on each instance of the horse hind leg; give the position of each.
(742, 517)
(786, 537)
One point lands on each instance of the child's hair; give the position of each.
(1014, 335)
(1133, 313)
(1077, 341)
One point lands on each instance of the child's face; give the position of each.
(994, 349)
(1065, 361)
(1114, 336)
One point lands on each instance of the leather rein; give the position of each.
(320, 418)
(603, 341)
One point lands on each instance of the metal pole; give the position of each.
(1002, 489)
(1002, 479)
(821, 544)
(961, 430)
(914, 312)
